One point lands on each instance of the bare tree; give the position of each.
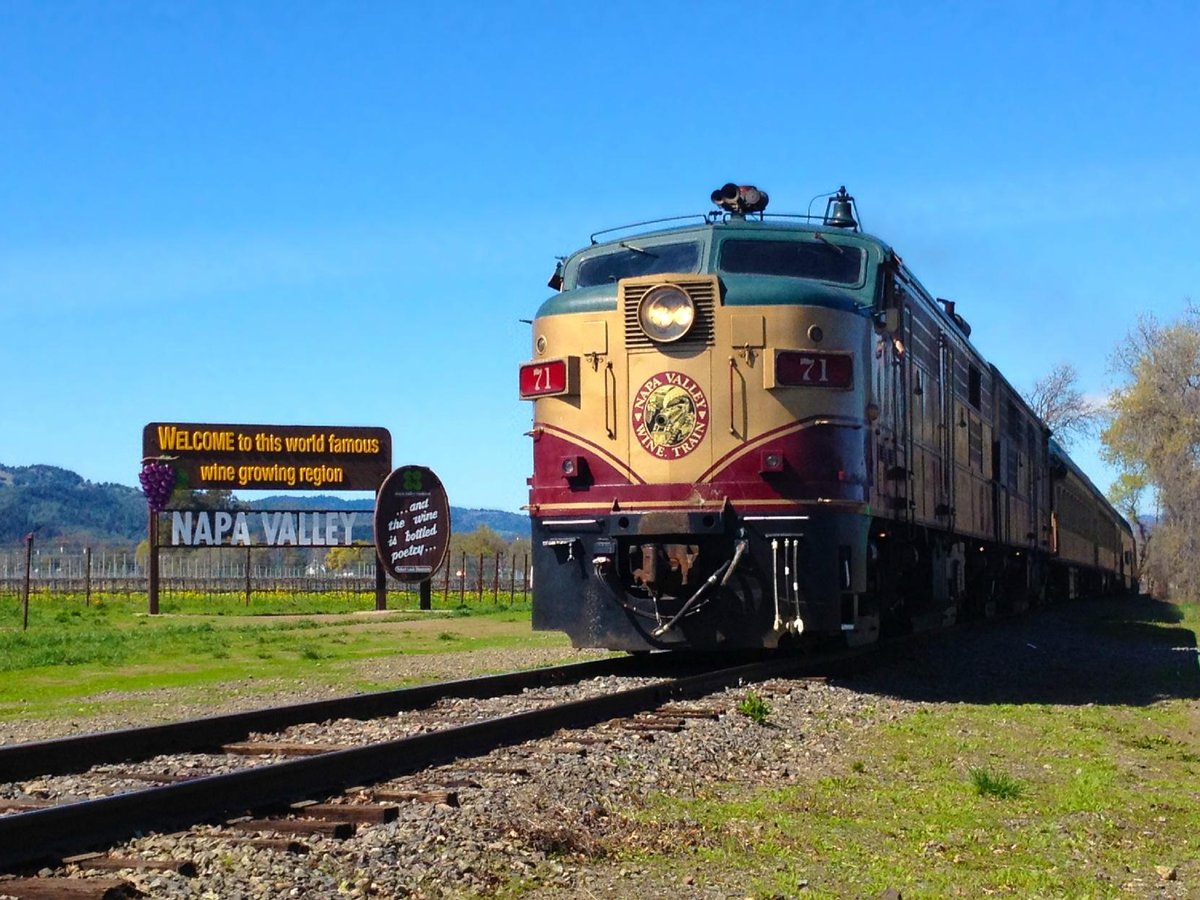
(1059, 403)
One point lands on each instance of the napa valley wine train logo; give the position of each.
(670, 415)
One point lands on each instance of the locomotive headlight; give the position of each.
(666, 313)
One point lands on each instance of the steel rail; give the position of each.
(49, 834)
(78, 753)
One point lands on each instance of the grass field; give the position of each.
(1041, 798)
(80, 660)
(1035, 794)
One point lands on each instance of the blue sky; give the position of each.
(337, 213)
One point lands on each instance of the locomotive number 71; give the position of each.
(798, 368)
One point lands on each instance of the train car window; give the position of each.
(975, 387)
(634, 259)
(817, 260)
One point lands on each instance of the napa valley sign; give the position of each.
(182, 456)
(271, 457)
(281, 528)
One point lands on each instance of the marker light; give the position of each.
(666, 313)
(772, 461)
(572, 467)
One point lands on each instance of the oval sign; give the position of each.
(412, 524)
(670, 415)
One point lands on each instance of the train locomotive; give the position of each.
(752, 431)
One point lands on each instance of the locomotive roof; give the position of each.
(788, 223)
(576, 297)
(704, 227)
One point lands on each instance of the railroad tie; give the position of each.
(103, 862)
(584, 739)
(653, 723)
(69, 888)
(280, 845)
(445, 798)
(281, 748)
(520, 771)
(455, 783)
(359, 813)
(340, 830)
(690, 712)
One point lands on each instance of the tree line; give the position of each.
(1149, 429)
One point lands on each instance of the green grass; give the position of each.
(995, 784)
(262, 603)
(962, 800)
(935, 825)
(77, 660)
(755, 708)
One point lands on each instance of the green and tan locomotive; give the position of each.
(753, 429)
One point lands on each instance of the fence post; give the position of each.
(525, 578)
(496, 580)
(446, 583)
(87, 576)
(426, 593)
(152, 561)
(28, 567)
(381, 587)
(247, 574)
(479, 583)
(462, 582)
(512, 579)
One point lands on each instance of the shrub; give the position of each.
(755, 708)
(995, 784)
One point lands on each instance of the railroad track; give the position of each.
(52, 834)
(80, 752)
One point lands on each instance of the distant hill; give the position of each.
(57, 504)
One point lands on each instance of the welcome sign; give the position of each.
(271, 457)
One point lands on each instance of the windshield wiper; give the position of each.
(828, 243)
(639, 250)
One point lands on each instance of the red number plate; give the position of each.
(544, 379)
(801, 369)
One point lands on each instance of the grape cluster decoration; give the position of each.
(158, 482)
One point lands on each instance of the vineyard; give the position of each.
(253, 572)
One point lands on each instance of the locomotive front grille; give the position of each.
(702, 290)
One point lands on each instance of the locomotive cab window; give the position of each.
(633, 259)
(814, 260)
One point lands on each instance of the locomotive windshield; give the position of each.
(635, 259)
(818, 260)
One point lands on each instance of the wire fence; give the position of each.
(222, 572)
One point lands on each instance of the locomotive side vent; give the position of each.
(702, 291)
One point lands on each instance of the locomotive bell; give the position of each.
(839, 210)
